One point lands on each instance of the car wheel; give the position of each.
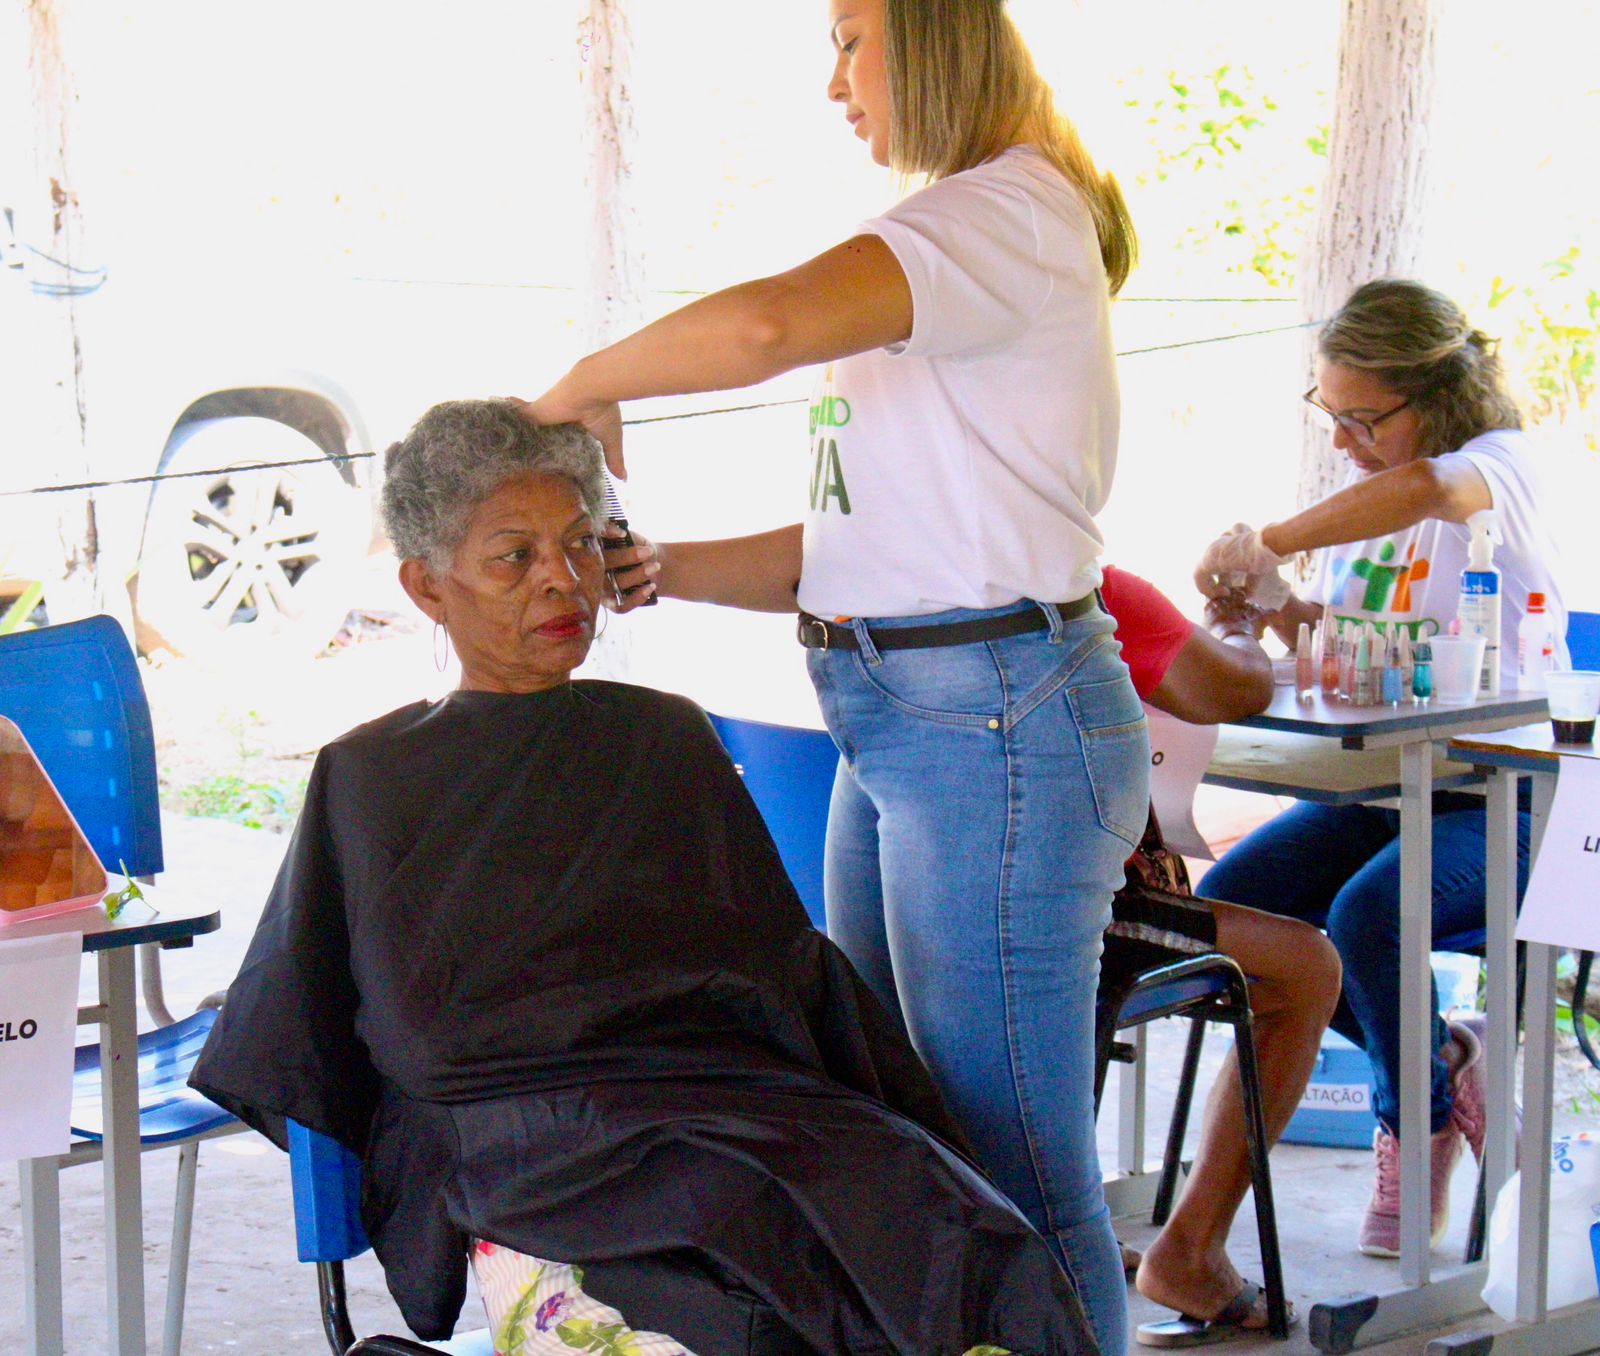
(238, 552)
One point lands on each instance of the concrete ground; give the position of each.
(248, 1295)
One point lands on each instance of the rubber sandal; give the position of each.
(1188, 1331)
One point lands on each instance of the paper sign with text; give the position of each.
(1179, 755)
(38, 1022)
(1562, 906)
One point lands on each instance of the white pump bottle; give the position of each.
(1479, 605)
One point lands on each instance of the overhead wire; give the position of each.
(154, 477)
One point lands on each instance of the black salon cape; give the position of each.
(536, 958)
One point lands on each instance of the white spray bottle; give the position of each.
(1479, 606)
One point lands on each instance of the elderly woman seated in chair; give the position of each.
(533, 955)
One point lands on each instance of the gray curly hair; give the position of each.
(462, 451)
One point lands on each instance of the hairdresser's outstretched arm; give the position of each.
(759, 573)
(1387, 501)
(852, 298)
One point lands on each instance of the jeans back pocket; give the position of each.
(1116, 752)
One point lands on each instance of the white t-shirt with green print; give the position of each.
(964, 467)
(1412, 578)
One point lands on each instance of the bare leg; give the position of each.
(1296, 972)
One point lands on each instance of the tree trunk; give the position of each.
(75, 591)
(616, 292)
(1370, 220)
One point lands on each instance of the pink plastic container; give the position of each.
(46, 864)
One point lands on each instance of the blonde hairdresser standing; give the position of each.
(994, 757)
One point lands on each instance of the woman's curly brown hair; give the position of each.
(1418, 343)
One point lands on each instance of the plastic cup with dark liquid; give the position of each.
(1574, 702)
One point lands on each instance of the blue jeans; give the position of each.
(986, 799)
(1338, 867)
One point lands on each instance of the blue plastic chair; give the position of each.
(789, 773)
(1204, 989)
(75, 693)
(1583, 639)
(326, 1179)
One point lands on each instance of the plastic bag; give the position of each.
(1574, 1206)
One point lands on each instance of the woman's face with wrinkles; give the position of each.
(520, 598)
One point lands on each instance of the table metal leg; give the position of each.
(1566, 1332)
(1500, 920)
(1416, 1006)
(1130, 1108)
(1353, 1321)
(41, 1256)
(119, 1072)
(1538, 1078)
(1538, 1069)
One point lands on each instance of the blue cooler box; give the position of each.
(1336, 1109)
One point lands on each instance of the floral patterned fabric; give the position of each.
(538, 1308)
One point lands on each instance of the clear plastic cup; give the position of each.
(1457, 661)
(1574, 696)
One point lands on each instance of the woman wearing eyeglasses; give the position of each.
(1416, 398)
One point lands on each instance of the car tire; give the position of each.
(240, 553)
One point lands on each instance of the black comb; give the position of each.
(618, 519)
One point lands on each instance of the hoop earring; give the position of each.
(441, 646)
(605, 621)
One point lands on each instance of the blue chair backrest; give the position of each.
(1583, 639)
(789, 773)
(74, 692)
(326, 1178)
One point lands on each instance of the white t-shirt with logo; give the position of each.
(1412, 578)
(964, 467)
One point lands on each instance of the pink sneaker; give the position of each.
(1469, 1111)
(1380, 1230)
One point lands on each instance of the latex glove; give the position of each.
(1269, 591)
(1234, 561)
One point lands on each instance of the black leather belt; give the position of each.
(816, 634)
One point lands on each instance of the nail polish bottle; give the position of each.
(1365, 693)
(1305, 667)
(1391, 690)
(1347, 663)
(1330, 655)
(1422, 672)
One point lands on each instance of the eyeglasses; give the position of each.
(1364, 431)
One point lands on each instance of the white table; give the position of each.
(1375, 735)
(1506, 758)
(116, 1013)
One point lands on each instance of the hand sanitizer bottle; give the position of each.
(1478, 610)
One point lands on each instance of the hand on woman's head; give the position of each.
(602, 419)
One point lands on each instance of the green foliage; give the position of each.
(256, 805)
(16, 616)
(1206, 116)
(1551, 330)
(118, 900)
(1219, 129)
